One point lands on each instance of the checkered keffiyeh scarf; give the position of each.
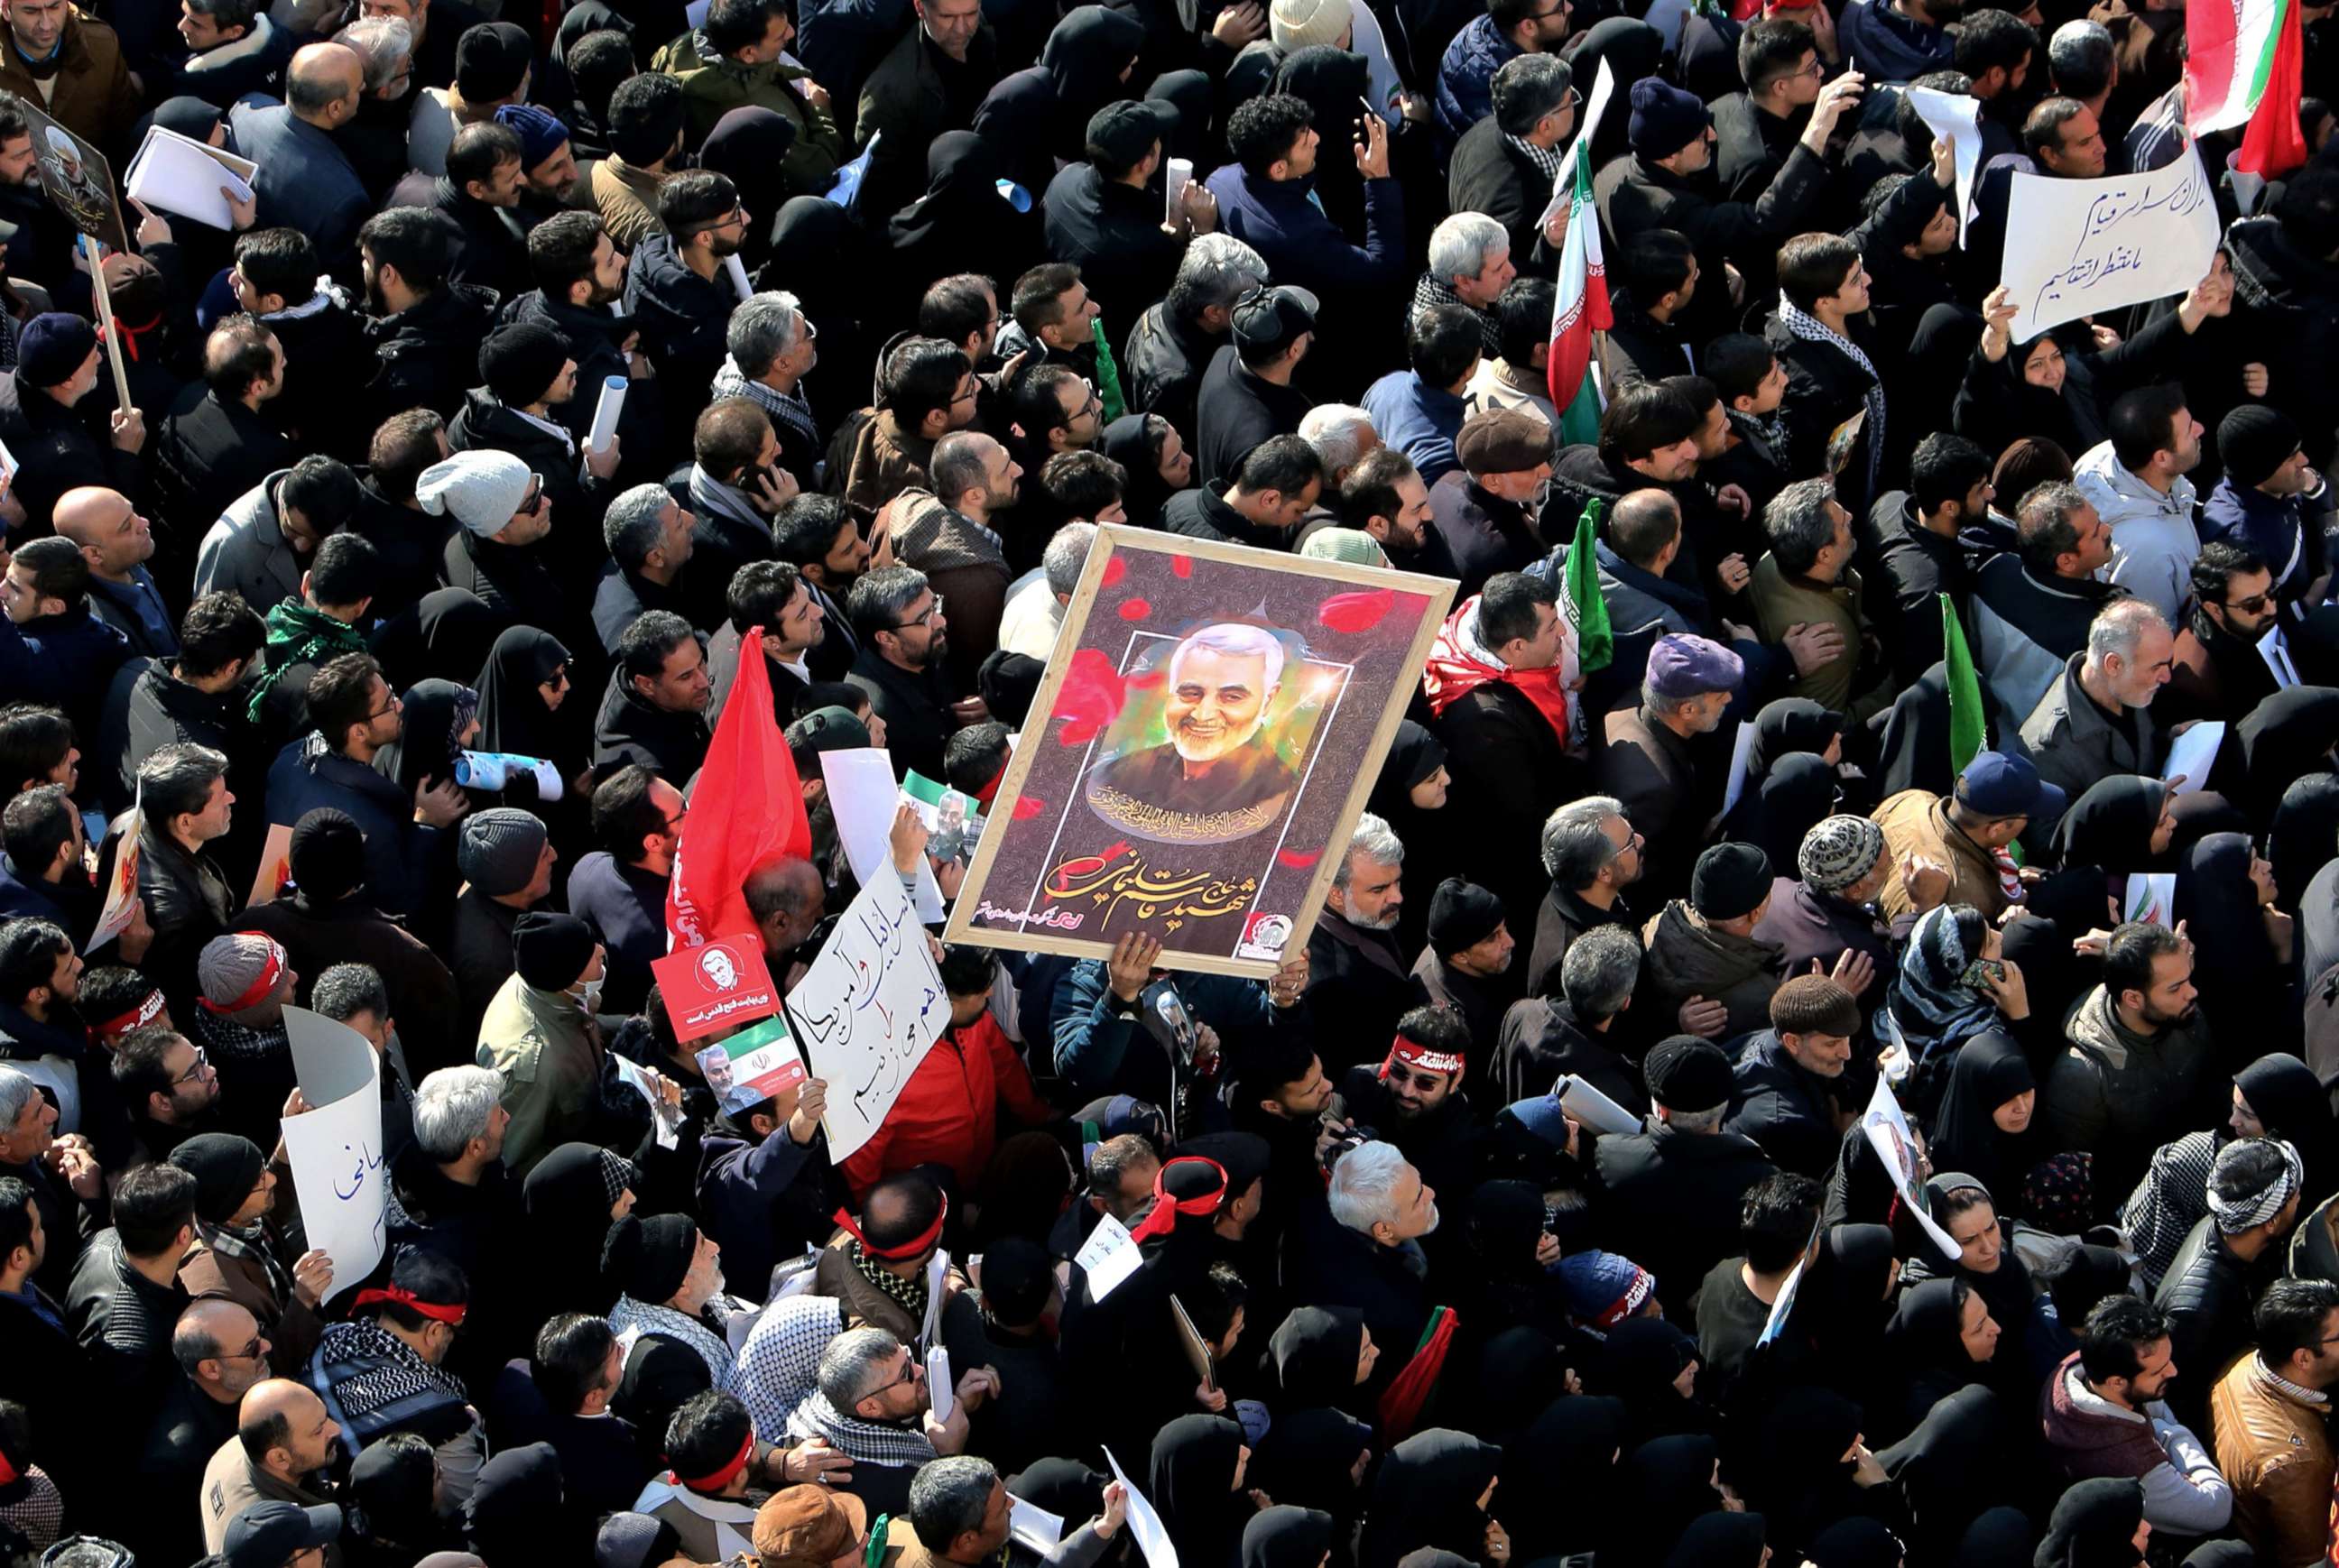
(1811, 329)
(868, 1441)
(910, 1292)
(779, 1363)
(641, 1317)
(252, 1243)
(375, 1381)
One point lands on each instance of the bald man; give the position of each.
(305, 180)
(220, 439)
(284, 1438)
(218, 1346)
(117, 543)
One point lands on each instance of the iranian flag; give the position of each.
(1583, 305)
(2243, 65)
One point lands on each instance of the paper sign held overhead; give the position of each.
(868, 1009)
(2074, 247)
(1887, 1130)
(717, 985)
(1957, 119)
(340, 1171)
(863, 796)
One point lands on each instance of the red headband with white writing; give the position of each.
(1420, 1058)
(138, 1017)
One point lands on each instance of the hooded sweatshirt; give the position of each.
(2153, 544)
(2089, 1436)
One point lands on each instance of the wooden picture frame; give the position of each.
(1220, 834)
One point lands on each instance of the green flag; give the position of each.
(1108, 373)
(1587, 611)
(1967, 731)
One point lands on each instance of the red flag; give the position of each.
(748, 809)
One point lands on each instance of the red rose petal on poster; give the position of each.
(1135, 610)
(1027, 807)
(1357, 612)
(1091, 697)
(1147, 681)
(1297, 859)
(1181, 566)
(1114, 570)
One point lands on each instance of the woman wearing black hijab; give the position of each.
(1581, 1437)
(1195, 1482)
(1409, 796)
(1287, 1537)
(1521, 1372)
(1787, 726)
(2243, 947)
(1813, 1467)
(1859, 1543)
(1941, 1335)
(1652, 1366)
(1146, 445)
(1634, 49)
(1799, 792)
(440, 718)
(392, 1504)
(2096, 1524)
(1844, 1302)
(1330, 81)
(2305, 826)
(523, 683)
(1315, 1458)
(1038, 116)
(572, 1198)
(1434, 1489)
(1505, 1287)
(1989, 1264)
(2120, 824)
(2001, 1537)
(1668, 1483)
(961, 223)
(2285, 738)
(1322, 1355)
(1987, 1121)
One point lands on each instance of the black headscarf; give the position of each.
(2285, 738)
(2094, 1524)
(1925, 1336)
(436, 714)
(1912, 752)
(1840, 1306)
(1064, 1487)
(392, 1495)
(1287, 1537)
(515, 1502)
(1720, 1541)
(2306, 828)
(2110, 826)
(1520, 1372)
(1798, 792)
(1635, 49)
(457, 627)
(1786, 727)
(512, 714)
(1315, 1350)
(1126, 443)
(1638, 1364)
(1413, 757)
(1084, 56)
(960, 224)
(1308, 1458)
(2233, 958)
(1801, 1468)
(2090, 1274)
(1579, 1437)
(1990, 1071)
(1668, 1485)
(1330, 80)
(1191, 1483)
(1856, 1542)
(2285, 1095)
(1427, 1494)
(2002, 1535)
(1996, 404)
(566, 1199)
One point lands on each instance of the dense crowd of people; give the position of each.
(1955, 735)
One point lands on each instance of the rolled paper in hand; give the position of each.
(605, 414)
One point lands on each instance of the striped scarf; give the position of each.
(1811, 329)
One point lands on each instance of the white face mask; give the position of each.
(588, 992)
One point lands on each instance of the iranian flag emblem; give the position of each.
(2245, 68)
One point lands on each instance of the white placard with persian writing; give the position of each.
(341, 1174)
(2074, 247)
(1109, 1256)
(867, 1011)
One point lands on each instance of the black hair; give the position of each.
(2128, 955)
(1771, 48)
(1260, 132)
(57, 568)
(694, 201)
(345, 569)
(1738, 363)
(422, 245)
(973, 756)
(1813, 267)
(560, 252)
(323, 491)
(1211, 1304)
(431, 1278)
(899, 1210)
(1645, 418)
(1657, 263)
(570, 1354)
(708, 1433)
(1507, 607)
(34, 740)
(1987, 39)
(921, 376)
(245, 353)
(804, 530)
(2218, 563)
(599, 64)
(1523, 313)
(340, 695)
(956, 308)
(624, 813)
(645, 645)
(1443, 342)
(29, 952)
(1038, 298)
(1083, 483)
(1945, 468)
(34, 826)
(968, 969)
(644, 118)
(760, 593)
(1774, 1221)
(2289, 1317)
(735, 24)
(479, 149)
(16, 1211)
(1285, 465)
(152, 1206)
(278, 262)
(2144, 421)
(137, 1069)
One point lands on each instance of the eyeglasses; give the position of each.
(910, 1373)
(393, 706)
(926, 619)
(251, 1352)
(673, 822)
(1815, 70)
(1632, 842)
(203, 1064)
(2255, 605)
(535, 494)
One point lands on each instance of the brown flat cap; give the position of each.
(1503, 441)
(808, 1526)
